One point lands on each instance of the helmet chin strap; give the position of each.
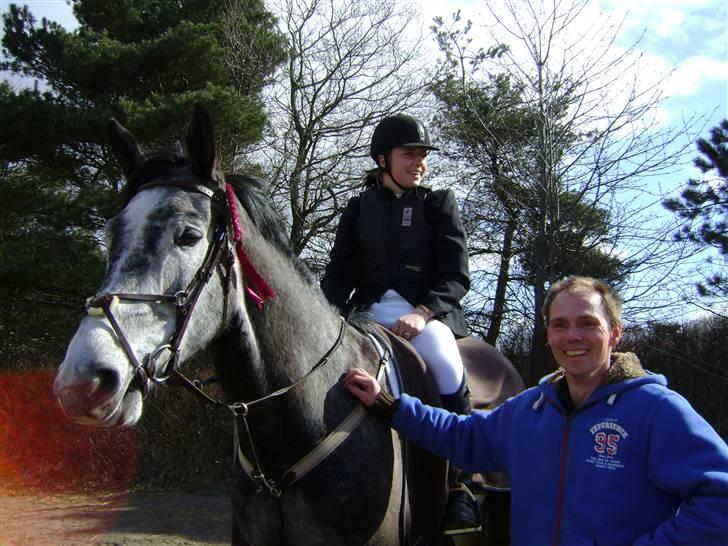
(388, 171)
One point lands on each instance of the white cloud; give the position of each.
(670, 23)
(694, 73)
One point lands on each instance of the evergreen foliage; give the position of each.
(523, 207)
(581, 234)
(703, 204)
(143, 62)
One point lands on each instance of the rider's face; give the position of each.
(408, 165)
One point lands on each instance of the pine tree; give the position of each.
(703, 204)
(494, 136)
(144, 62)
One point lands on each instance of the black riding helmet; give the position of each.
(399, 130)
(391, 132)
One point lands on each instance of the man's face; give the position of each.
(580, 336)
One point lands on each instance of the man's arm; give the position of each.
(469, 441)
(688, 458)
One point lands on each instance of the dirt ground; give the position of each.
(150, 517)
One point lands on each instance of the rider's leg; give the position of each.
(435, 344)
(462, 514)
(438, 348)
(440, 353)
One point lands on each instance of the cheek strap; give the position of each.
(388, 170)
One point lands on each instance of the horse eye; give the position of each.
(188, 237)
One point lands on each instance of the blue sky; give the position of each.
(689, 35)
(56, 10)
(692, 36)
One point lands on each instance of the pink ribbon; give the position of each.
(256, 288)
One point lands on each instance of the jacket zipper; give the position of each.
(562, 480)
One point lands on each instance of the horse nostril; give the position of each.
(82, 395)
(107, 383)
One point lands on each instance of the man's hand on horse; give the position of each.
(362, 385)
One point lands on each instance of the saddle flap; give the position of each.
(427, 474)
(415, 378)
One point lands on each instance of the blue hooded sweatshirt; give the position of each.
(634, 465)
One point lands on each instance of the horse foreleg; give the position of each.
(237, 536)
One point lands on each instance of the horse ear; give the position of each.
(124, 146)
(200, 143)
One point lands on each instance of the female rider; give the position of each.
(400, 253)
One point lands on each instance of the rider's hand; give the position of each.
(362, 385)
(411, 324)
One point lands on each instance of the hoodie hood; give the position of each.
(622, 366)
(625, 372)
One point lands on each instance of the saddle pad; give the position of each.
(386, 355)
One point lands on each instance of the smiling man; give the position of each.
(583, 318)
(600, 452)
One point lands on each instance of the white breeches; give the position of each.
(435, 344)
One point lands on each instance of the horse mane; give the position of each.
(250, 191)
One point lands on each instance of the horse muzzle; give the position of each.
(99, 398)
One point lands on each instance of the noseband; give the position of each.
(183, 302)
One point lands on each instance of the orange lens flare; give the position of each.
(41, 448)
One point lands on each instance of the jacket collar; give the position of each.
(622, 366)
(420, 192)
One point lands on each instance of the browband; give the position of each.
(199, 188)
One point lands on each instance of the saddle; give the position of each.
(492, 379)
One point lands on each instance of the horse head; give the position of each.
(167, 252)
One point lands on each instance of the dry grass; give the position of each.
(178, 443)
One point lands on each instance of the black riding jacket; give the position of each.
(414, 244)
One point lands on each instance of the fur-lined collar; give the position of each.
(622, 366)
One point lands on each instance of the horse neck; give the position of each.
(279, 343)
(275, 347)
(293, 331)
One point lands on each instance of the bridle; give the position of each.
(220, 252)
(184, 301)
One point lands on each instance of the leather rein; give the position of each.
(220, 252)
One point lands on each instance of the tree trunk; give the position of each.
(538, 356)
(499, 301)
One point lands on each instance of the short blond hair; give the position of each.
(610, 299)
